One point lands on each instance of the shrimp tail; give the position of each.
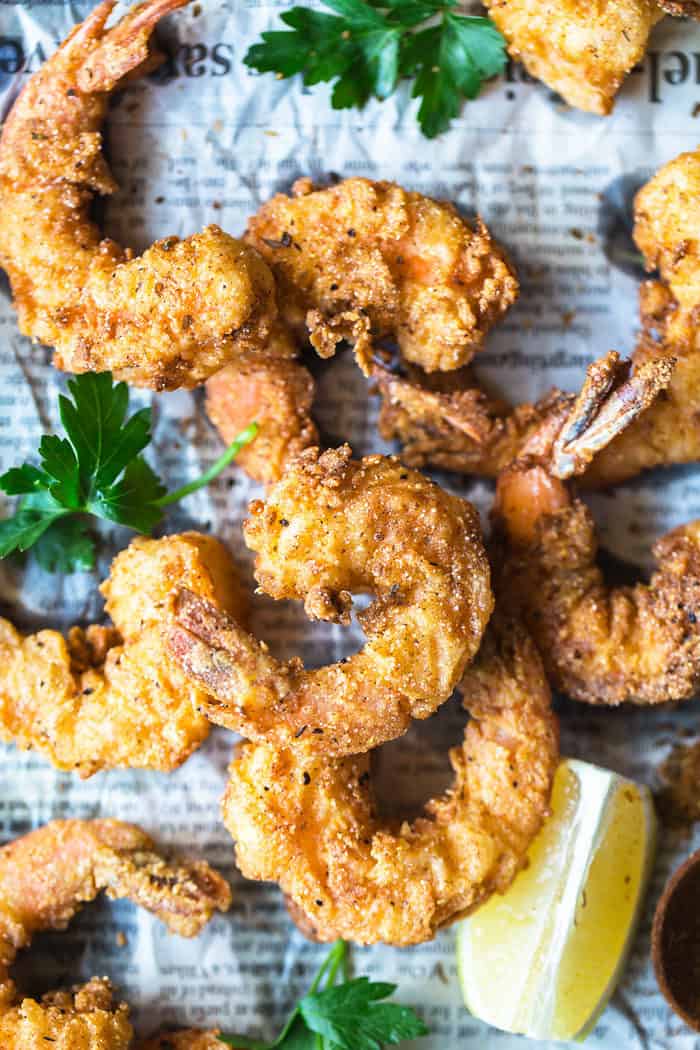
(126, 49)
(611, 398)
(213, 650)
(47, 875)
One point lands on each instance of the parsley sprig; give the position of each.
(345, 1016)
(369, 45)
(96, 470)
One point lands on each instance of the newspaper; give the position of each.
(204, 140)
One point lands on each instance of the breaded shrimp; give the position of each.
(330, 528)
(277, 394)
(581, 50)
(171, 317)
(366, 260)
(450, 423)
(667, 232)
(109, 697)
(45, 877)
(687, 8)
(599, 644)
(310, 822)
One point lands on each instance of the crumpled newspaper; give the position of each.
(205, 140)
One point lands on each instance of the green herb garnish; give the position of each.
(341, 1016)
(96, 470)
(369, 45)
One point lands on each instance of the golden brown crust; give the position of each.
(310, 823)
(169, 318)
(668, 235)
(362, 260)
(275, 393)
(104, 698)
(667, 232)
(601, 644)
(84, 1018)
(329, 528)
(45, 877)
(583, 51)
(682, 8)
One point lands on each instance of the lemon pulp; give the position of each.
(543, 959)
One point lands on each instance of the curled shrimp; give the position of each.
(334, 526)
(309, 822)
(45, 877)
(170, 317)
(363, 260)
(109, 697)
(600, 644)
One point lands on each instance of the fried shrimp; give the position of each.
(450, 423)
(667, 232)
(582, 51)
(600, 644)
(689, 8)
(366, 260)
(275, 393)
(171, 317)
(310, 822)
(329, 528)
(109, 697)
(45, 877)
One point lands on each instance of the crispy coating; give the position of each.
(109, 697)
(581, 50)
(667, 232)
(600, 644)
(277, 394)
(452, 424)
(310, 823)
(330, 528)
(45, 877)
(82, 1018)
(365, 260)
(687, 8)
(171, 317)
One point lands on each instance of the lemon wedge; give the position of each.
(544, 959)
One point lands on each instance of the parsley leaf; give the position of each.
(344, 1016)
(97, 469)
(351, 1017)
(369, 45)
(66, 546)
